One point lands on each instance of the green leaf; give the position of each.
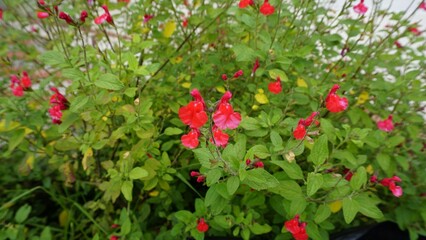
(297, 206)
(276, 139)
(109, 81)
(319, 151)
(244, 53)
(138, 173)
(288, 189)
(184, 216)
(46, 234)
(258, 229)
(274, 73)
(293, 170)
(313, 231)
(315, 182)
(173, 131)
(395, 141)
(259, 151)
(17, 137)
(73, 74)
(384, 161)
(359, 178)
(22, 213)
(126, 190)
(232, 184)
(213, 176)
(260, 179)
(204, 156)
(78, 103)
(323, 212)
(350, 209)
(52, 58)
(249, 123)
(367, 206)
(224, 221)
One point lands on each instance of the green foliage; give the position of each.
(116, 165)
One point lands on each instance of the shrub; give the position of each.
(186, 119)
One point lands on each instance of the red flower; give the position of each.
(258, 164)
(147, 17)
(300, 131)
(266, 8)
(25, 80)
(202, 225)
(398, 44)
(18, 91)
(224, 77)
(1, 13)
(225, 117)
(386, 124)
(190, 140)
(348, 174)
(245, 3)
(238, 74)
(197, 96)
(220, 138)
(390, 183)
(275, 87)
(58, 99)
(104, 17)
(56, 114)
(201, 179)
(115, 225)
(125, 1)
(41, 2)
(360, 8)
(308, 121)
(185, 22)
(67, 18)
(113, 237)
(42, 15)
(194, 174)
(296, 228)
(334, 103)
(193, 114)
(256, 66)
(414, 31)
(373, 179)
(83, 16)
(423, 6)
(248, 161)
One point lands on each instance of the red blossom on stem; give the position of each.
(266, 8)
(422, 6)
(334, 103)
(1, 13)
(201, 179)
(414, 30)
(220, 138)
(386, 124)
(104, 17)
(238, 74)
(202, 226)
(18, 86)
(194, 174)
(83, 16)
(147, 17)
(193, 114)
(67, 18)
(390, 183)
(300, 131)
(258, 164)
(42, 15)
(224, 117)
(224, 77)
(297, 228)
(113, 237)
(190, 140)
(275, 87)
(256, 66)
(360, 8)
(245, 3)
(398, 44)
(58, 103)
(348, 174)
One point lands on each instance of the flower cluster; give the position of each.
(390, 183)
(104, 17)
(256, 164)
(334, 103)
(200, 178)
(296, 228)
(266, 8)
(300, 131)
(67, 18)
(194, 115)
(57, 103)
(47, 12)
(360, 8)
(386, 124)
(202, 226)
(18, 86)
(275, 87)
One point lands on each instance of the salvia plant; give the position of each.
(192, 119)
